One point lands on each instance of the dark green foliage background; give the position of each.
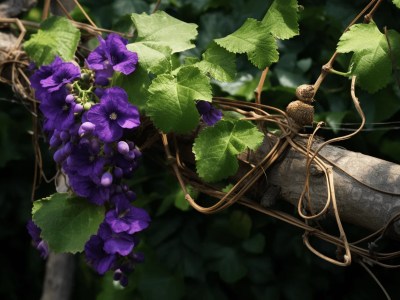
(237, 254)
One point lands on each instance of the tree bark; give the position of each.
(12, 8)
(367, 196)
(58, 278)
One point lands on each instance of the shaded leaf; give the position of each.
(254, 39)
(171, 104)
(135, 84)
(56, 37)
(219, 63)
(160, 35)
(282, 19)
(67, 222)
(371, 61)
(216, 147)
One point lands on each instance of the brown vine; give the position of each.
(13, 72)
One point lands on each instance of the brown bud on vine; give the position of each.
(302, 113)
(305, 92)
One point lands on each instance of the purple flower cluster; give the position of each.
(86, 121)
(209, 113)
(34, 231)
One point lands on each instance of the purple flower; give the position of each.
(209, 114)
(34, 231)
(53, 77)
(90, 188)
(113, 114)
(121, 243)
(127, 218)
(85, 161)
(59, 114)
(63, 74)
(99, 259)
(112, 55)
(43, 73)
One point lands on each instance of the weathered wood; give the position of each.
(12, 8)
(59, 277)
(358, 203)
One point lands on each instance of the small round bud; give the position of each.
(86, 128)
(55, 139)
(123, 147)
(64, 136)
(302, 113)
(87, 106)
(78, 108)
(70, 98)
(131, 195)
(118, 172)
(305, 92)
(69, 87)
(106, 179)
(131, 155)
(85, 77)
(137, 153)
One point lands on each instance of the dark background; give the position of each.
(236, 254)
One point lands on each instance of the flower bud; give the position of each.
(87, 105)
(118, 172)
(70, 98)
(78, 108)
(123, 147)
(64, 136)
(86, 128)
(106, 179)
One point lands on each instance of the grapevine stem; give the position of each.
(85, 14)
(65, 11)
(328, 66)
(344, 74)
(156, 6)
(46, 9)
(368, 17)
(260, 85)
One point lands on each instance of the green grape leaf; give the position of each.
(135, 84)
(254, 39)
(371, 61)
(216, 147)
(397, 3)
(160, 35)
(282, 19)
(67, 222)
(219, 63)
(154, 58)
(56, 37)
(171, 103)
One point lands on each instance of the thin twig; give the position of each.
(157, 5)
(375, 279)
(326, 68)
(260, 85)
